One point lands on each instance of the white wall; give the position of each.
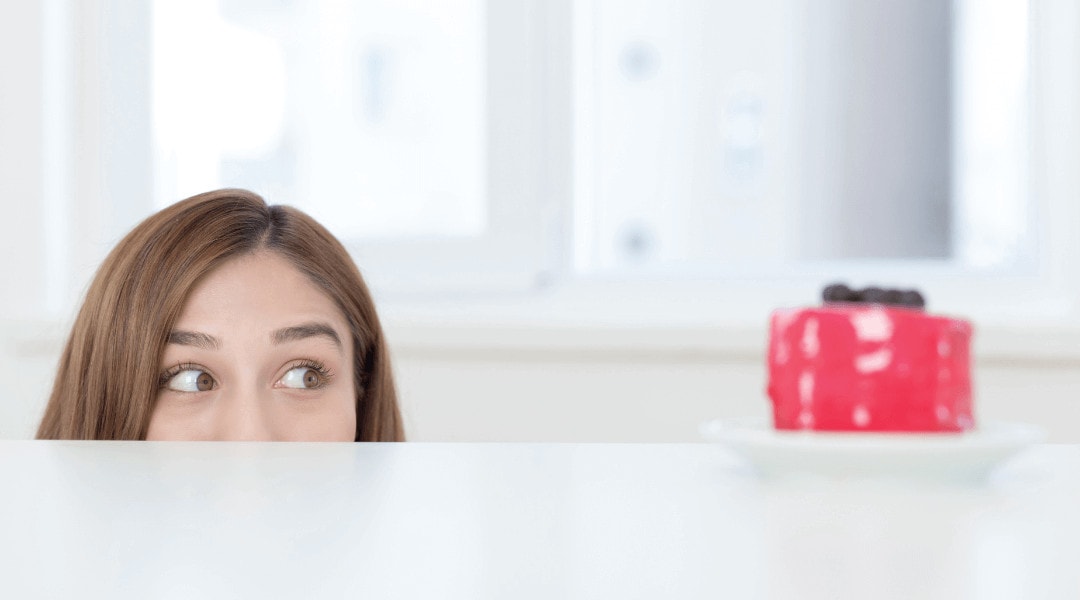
(21, 159)
(474, 383)
(658, 385)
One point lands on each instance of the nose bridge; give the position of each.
(243, 415)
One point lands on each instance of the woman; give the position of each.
(223, 318)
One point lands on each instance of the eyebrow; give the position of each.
(194, 338)
(206, 341)
(305, 331)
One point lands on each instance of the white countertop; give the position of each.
(241, 520)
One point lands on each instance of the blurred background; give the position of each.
(576, 215)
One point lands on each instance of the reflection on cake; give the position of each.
(869, 360)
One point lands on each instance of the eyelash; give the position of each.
(163, 380)
(325, 374)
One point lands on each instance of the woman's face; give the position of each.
(258, 353)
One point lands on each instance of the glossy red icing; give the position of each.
(855, 367)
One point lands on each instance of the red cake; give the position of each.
(853, 365)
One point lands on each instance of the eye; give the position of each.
(304, 377)
(190, 380)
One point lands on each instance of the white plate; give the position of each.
(953, 456)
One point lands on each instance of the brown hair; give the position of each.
(108, 376)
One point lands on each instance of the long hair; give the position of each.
(107, 379)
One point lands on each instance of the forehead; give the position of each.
(257, 293)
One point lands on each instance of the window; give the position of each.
(369, 115)
(411, 129)
(724, 134)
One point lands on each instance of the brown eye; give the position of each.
(191, 380)
(303, 378)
